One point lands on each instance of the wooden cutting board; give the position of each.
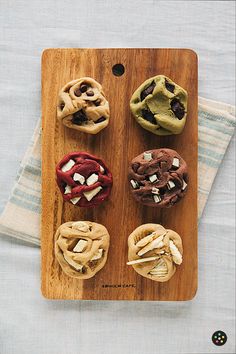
(122, 140)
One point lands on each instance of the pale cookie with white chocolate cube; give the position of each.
(83, 106)
(81, 248)
(155, 252)
(158, 178)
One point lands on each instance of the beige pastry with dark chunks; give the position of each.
(83, 106)
(154, 252)
(81, 248)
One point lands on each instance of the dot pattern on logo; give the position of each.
(219, 338)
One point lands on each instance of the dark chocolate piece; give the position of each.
(97, 102)
(147, 91)
(83, 88)
(79, 118)
(77, 92)
(100, 120)
(170, 87)
(177, 108)
(149, 116)
(90, 93)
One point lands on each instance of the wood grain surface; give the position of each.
(122, 140)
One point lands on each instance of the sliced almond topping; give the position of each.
(177, 257)
(142, 260)
(68, 165)
(157, 243)
(160, 270)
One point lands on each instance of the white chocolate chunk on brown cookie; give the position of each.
(92, 179)
(157, 198)
(75, 200)
(153, 178)
(67, 189)
(101, 169)
(79, 178)
(175, 162)
(155, 190)
(170, 185)
(68, 166)
(91, 194)
(134, 184)
(147, 156)
(184, 185)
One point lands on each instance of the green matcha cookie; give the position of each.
(160, 106)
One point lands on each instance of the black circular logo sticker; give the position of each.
(219, 338)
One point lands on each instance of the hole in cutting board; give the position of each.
(118, 69)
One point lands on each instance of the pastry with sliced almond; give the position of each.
(81, 248)
(84, 179)
(155, 252)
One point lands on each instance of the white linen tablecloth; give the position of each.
(28, 322)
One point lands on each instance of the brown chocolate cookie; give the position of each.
(158, 178)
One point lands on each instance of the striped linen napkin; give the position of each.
(21, 216)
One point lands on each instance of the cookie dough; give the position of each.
(83, 106)
(154, 251)
(83, 179)
(81, 248)
(160, 106)
(158, 178)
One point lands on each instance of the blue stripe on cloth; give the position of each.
(27, 196)
(213, 117)
(31, 187)
(34, 162)
(215, 126)
(33, 170)
(210, 133)
(208, 162)
(25, 205)
(208, 152)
